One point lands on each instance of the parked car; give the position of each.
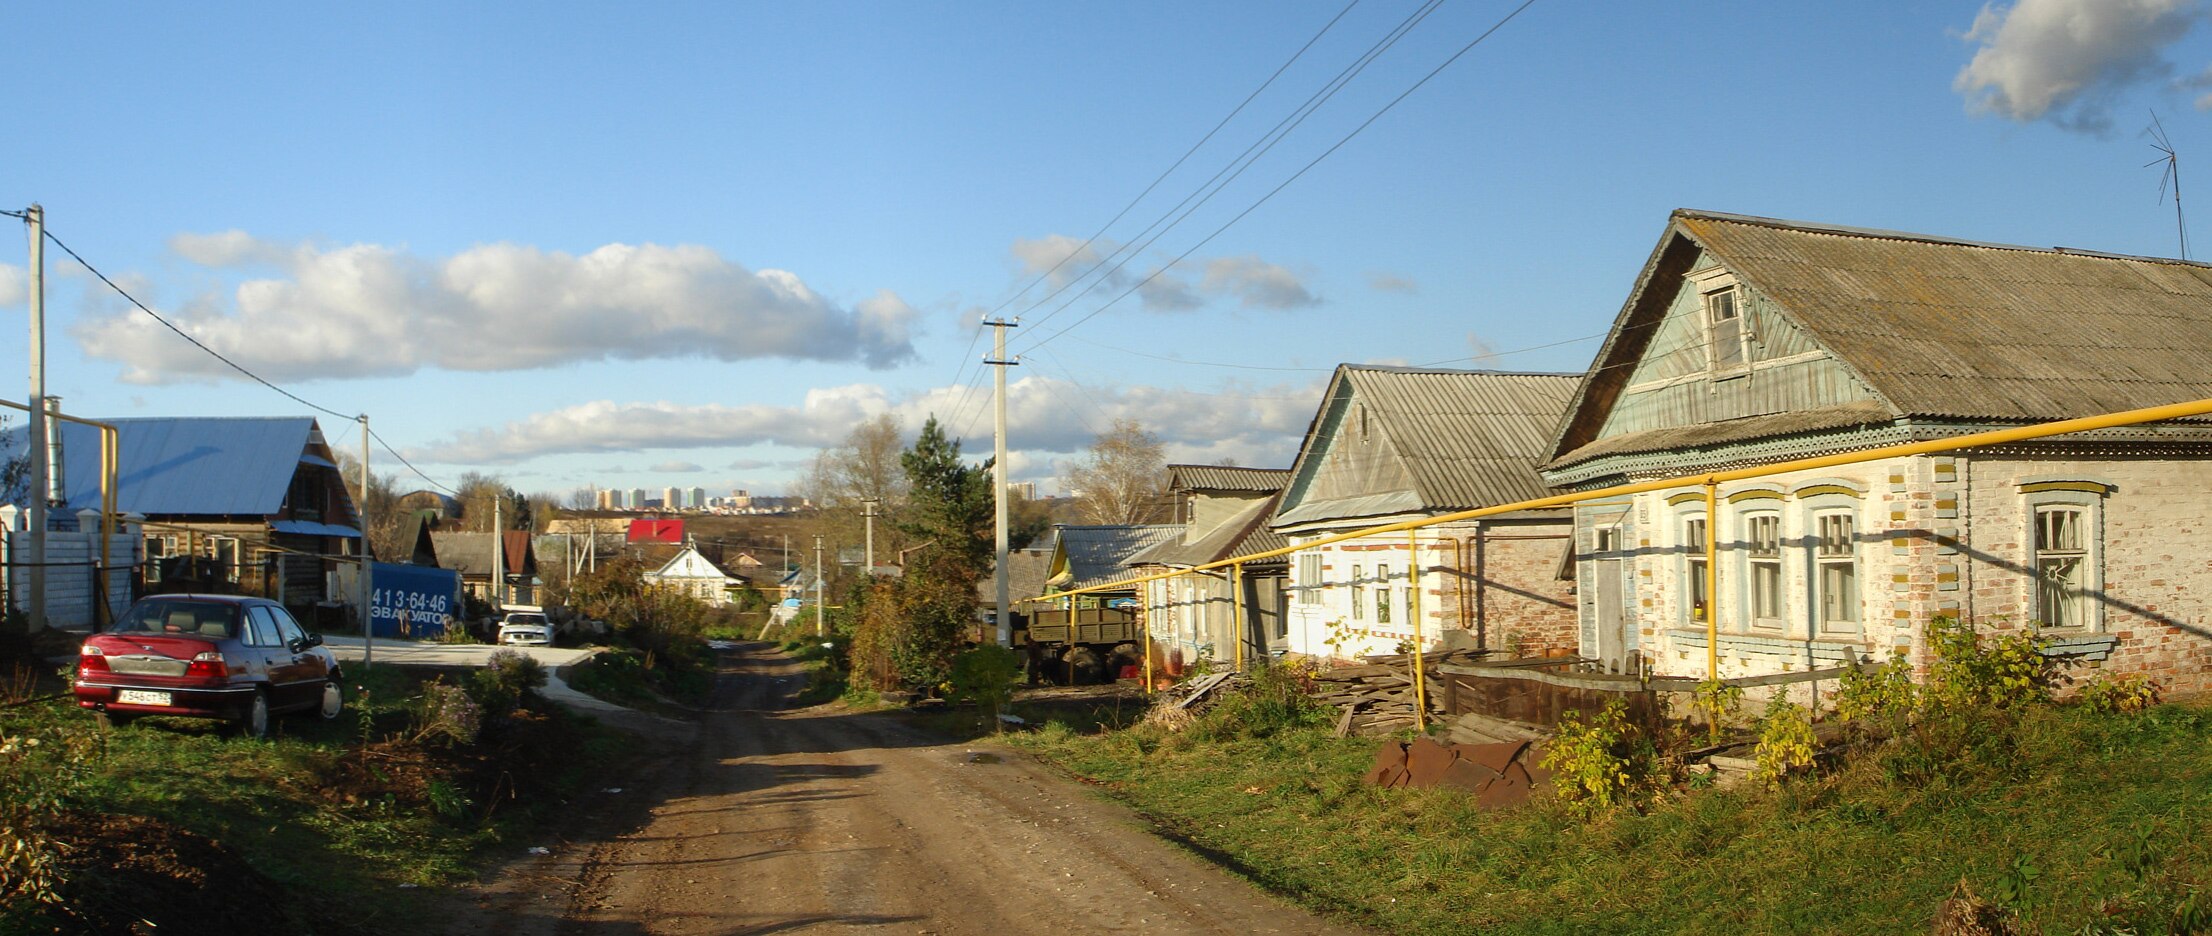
(207, 656)
(526, 629)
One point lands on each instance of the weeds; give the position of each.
(1786, 742)
(2130, 694)
(1601, 761)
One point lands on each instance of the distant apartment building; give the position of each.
(697, 499)
(1026, 490)
(636, 500)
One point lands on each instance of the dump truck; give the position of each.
(1084, 645)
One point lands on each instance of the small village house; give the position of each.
(1747, 341)
(234, 505)
(1390, 444)
(1087, 555)
(471, 555)
(1223, 512)
(689, 572)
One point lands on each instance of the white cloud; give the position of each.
(1253, 282)
(678, 467)
(15, 285)
(1043, 415)
(2065, 60)
(372, 310)
(1380, 281)
(1257, 283)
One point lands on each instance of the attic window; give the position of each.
(1724, 329)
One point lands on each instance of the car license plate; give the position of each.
(141, 697)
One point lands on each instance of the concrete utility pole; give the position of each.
(820, 628)
(368, 613)
(998, 473)
(869, 552)
(34, 430)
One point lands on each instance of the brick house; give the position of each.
(1749, 340)
(1391, 444)
(1224, 512)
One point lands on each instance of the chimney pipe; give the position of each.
(57, 487)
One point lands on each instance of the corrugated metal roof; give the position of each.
(207, 466)
(1243, 533)
(1025, 576)
(1226, 478)
(1955, 329)
(1095, 554)
(311, 528)
(1468, 438)
(471, 553)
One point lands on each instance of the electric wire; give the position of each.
(1233, 169)
(234, 365)
(1271, 193)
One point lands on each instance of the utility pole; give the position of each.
(368, 614)
(34, 431)
(499, 557)
(869, 552)
(998, 472)
(819, 627)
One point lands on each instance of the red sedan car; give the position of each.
(207, 656)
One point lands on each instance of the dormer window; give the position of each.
(1724, 329)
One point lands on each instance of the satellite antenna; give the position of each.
(2172, 161)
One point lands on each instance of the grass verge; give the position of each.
(350, 825)
(2076, 822)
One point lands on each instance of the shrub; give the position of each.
(506, 679)
(1882, 694)
(33, 789)
(2006, 669)
(1785, 741)
(1600, 761)
(445, 713)
(985, 676)
(2128, 694)
(1272, 701)
(1720, 701)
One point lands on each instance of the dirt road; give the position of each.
(773, 820)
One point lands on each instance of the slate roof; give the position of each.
(189, 466)
(471, 553)
(1226, 478)
(1025, 576)
(1096, 554)
(1468, 438)
(1949, 329)
(1244, 533)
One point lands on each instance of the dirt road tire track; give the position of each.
(823, 821)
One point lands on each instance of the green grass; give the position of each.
(1874, 846)
(311, 811)
(640, 679)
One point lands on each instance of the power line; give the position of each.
(1170, 170)
(433, 482)
(181, 333)
(1271, 193)
(1233, 169)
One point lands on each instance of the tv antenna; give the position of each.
(2172, 160)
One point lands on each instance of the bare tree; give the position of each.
(843, 478)
(380, 507)
(1119, 479)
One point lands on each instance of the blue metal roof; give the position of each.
(311, 528)
(236, 466)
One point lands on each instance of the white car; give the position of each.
(526, 629)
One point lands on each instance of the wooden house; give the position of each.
(1748, 341)
(690, 572)
(1390, 444)
(242, 505)
(471, 555)
(1087, 555)
(1224, 513)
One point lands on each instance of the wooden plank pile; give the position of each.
(1376, 697)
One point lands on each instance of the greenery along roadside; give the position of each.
(346, 826)
(2062, 819)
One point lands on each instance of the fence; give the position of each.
(78, 584)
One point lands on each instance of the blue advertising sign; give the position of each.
(412, 601)
(1122, 603)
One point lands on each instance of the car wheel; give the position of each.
(334, 701)
(111, 719)
(255, 722)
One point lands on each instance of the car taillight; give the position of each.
(208, 665)
(91, 659)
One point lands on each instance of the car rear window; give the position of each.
(181, 618)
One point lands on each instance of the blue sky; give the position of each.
(688, 244)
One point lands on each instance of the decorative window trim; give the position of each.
(1747, 572)
(1824, 487)
(1684, 497)
(1828, 503)
(2087, 497)
(1755, 494)
(1689, 567)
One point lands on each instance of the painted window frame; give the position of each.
(1359, 594)
(1382, 593)
(1819, 511)
(1689, 530)
(1764, 554)
(1309, 578)
(2086, 499)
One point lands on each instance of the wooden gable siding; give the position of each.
(1353, 466)
(1671, 385)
